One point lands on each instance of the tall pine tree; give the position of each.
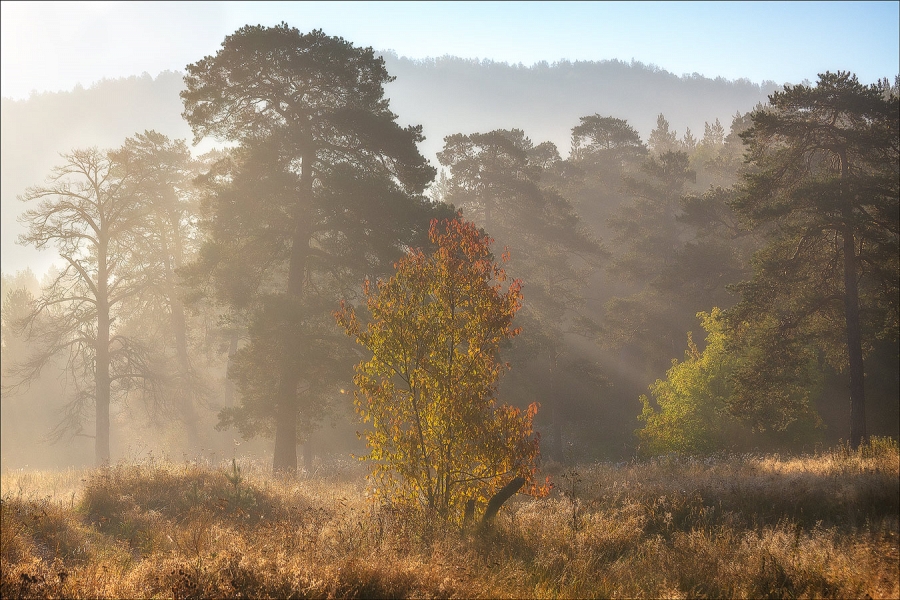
(324, 186)
(824, 190)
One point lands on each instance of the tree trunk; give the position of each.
(308, 455)
(500, 497)
(854, 343)
(285, 455)
(101, 374)
(285, 458)
(233, 338)
(556, 445)
(188, 411)
(851, 311)
(101, 440)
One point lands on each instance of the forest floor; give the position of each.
(753, 526)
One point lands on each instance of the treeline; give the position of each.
(177, 269)
(446, 96)
(450, 95)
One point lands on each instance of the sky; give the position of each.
(52, 46)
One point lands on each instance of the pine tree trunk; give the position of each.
(233, 339)
(101, 440)
(851, 311)
(285, 454)
(854, 343)
(285, 457)
(189, 415)
(556, 445)
(308, 455)
(188, 411)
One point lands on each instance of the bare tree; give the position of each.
(85, 212)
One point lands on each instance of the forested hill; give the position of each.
(453, 95)
(446, 95)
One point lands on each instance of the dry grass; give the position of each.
(750, 526)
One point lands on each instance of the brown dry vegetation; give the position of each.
(750, 526)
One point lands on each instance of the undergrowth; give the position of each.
(766, 526)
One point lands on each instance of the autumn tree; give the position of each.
(823, 190)
(438, 435)
(323, 183)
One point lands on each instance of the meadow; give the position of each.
(750, 526)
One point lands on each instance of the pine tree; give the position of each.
(323, 186)
(823, 189)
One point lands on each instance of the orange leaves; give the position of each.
(346, 318)
(438, 436)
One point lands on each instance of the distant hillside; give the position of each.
(446, 95)
(453, 95)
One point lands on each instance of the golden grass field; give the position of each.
(767, 526)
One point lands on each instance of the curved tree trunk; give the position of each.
(497, 500)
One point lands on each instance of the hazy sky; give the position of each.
(51, 46)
